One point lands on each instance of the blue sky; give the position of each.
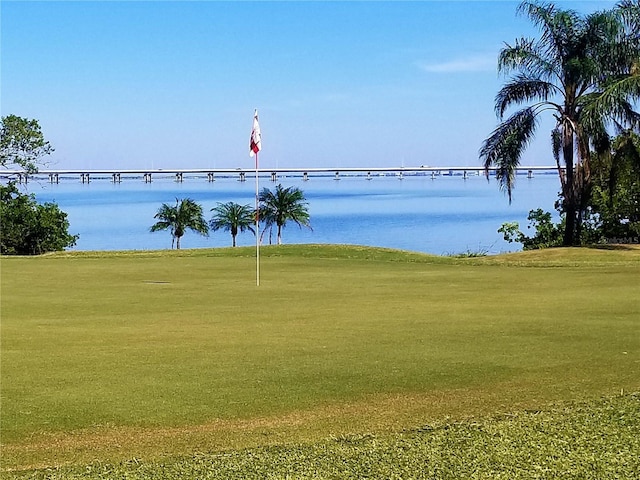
(159, 84)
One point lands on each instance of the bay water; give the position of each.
(444, 215)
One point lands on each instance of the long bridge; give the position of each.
(116, 175)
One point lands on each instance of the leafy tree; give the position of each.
(616, 193)
(233, 217)
(547, 233)
(22, 144)
(281, 206)
(29, 228)
(185, 214)
(584, 71)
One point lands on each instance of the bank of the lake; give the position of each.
(444, 215)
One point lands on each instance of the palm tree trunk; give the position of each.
(569, 204)
(233, 240)
(177, 243)
(279, 234)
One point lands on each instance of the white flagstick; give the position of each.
(257, 228)
(255, 144)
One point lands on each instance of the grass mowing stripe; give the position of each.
(93, 343)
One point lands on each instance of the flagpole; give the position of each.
(257, 228)
(255, 144)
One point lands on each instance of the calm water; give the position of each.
(444, 215)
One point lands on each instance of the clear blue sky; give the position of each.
(158, 84)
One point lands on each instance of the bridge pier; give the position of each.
(116, 176)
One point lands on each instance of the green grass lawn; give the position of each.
(110, 356)
(585, 440)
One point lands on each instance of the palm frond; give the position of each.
(504, 148)
(627, 148)
(525, 56)
(521, 89)
(629, 11)
(158, 226)
(559, 29)
(166, 216)
(190, 216)
(540, 14)
(614, 103)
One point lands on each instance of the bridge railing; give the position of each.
(116, 175)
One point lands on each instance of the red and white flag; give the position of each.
(255, 144)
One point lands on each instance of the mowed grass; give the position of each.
(596, 440)
(154, 354)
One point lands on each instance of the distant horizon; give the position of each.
(171, 85)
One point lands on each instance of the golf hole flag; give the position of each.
(255, 143)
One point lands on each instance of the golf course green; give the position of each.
(160, 356)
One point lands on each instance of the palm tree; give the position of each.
(234, 218)
(283, 205)
(186, 214)
(583, 70)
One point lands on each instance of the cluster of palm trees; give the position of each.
(275, 209)
(583, 70)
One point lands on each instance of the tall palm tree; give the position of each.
(282, 205)
(185, 214)
(233, 217)
(583, 70)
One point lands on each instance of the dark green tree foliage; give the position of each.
(547, 233)
(29, 228)
(584, 72)
(233, 217)
(281, 206)
(616, 193)
(22, 144)
(184, 215)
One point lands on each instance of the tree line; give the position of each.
(275, 209)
